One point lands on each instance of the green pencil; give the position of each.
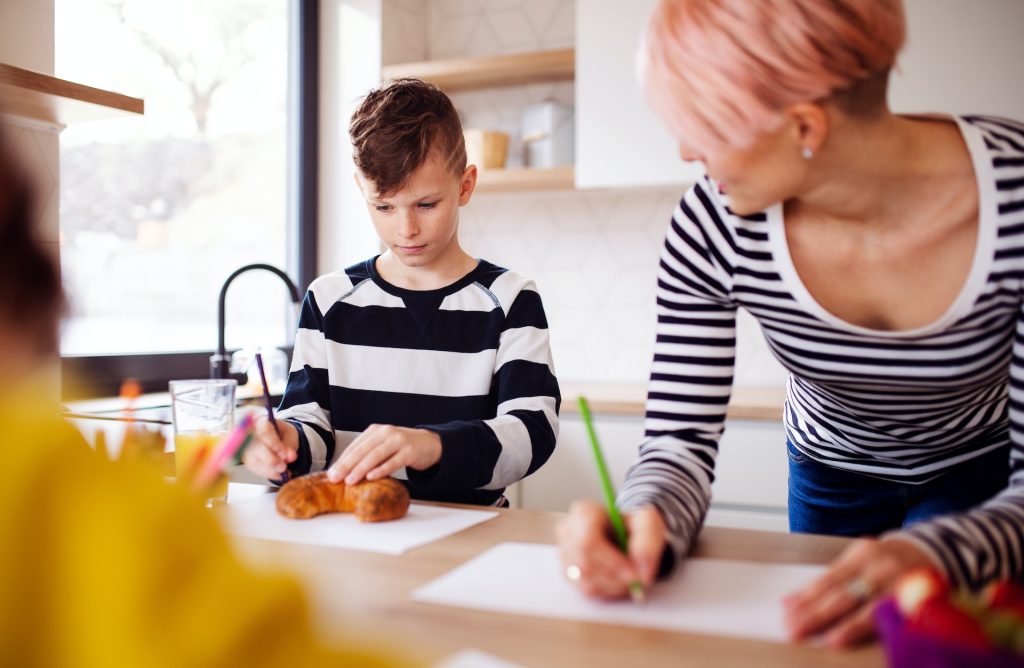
(636, 589)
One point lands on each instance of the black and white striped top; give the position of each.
(469, 361)
(903, 405)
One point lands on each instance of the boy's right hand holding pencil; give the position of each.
(269, 454)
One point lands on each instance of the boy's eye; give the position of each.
(382, 207)
(427, 205)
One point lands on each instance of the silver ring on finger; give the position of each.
(859, 590)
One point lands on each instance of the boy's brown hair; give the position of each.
(397, 126)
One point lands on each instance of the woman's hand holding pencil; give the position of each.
(606, 553)
(590, 552)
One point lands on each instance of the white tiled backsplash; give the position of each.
(593, 254)
(430, 29)
(594, 257)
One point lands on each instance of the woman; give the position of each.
(882, 256)
(103, 563)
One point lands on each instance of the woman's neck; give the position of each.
(874, 172)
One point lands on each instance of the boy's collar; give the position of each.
(451, 288)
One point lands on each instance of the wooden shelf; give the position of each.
(40, 97)
(489, 72)
(510, 180)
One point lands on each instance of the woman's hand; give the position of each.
(592, 557)
(269, 454)
(383, 449)
(839, 603)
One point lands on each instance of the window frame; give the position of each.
(86, 376)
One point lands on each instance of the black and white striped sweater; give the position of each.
(470, 361)
(902, 405)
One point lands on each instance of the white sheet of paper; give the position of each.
(711, 596)
(257, 518)
(474, 658)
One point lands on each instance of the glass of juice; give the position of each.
(203, 412)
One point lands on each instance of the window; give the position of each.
(156, 212)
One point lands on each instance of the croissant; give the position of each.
(369, 501)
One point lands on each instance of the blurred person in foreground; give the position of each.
(103, 563)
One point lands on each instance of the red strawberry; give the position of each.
(1006, 595)
(942, 620)
(917, 587)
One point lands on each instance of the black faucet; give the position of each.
(220, 361)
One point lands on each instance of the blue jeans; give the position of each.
(827, 500)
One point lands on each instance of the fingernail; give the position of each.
(647, 570)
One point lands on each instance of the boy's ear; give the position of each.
(359, 182)
(467, 185)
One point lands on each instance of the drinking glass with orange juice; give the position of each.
(203, 413)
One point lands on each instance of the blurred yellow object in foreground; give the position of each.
(104, 564)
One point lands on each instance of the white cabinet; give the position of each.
(750, 475)
(961, 57)
(619, 141)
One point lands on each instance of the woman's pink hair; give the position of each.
(719, 72)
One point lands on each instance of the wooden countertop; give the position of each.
(747, 403)
(366, 596)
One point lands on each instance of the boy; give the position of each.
(422, 362)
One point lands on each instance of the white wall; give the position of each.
(350, 60)
(961, 57)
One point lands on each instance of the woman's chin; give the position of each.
(745, 207)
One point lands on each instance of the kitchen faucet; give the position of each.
(220, 361)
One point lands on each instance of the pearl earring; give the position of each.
(807, 153)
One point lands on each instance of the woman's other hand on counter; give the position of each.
(838, 605)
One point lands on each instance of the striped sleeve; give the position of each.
(691, 374)
(306, 401)
(494, 453)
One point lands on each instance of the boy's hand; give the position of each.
(383, 449)
(593, 560)
(269, 455)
